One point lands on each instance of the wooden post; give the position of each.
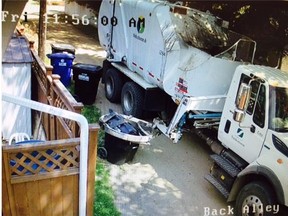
(53, 94)
(51, 99)
(49, 70)
(92, 156)
(48, 82)
(8, 204)
(31, 45)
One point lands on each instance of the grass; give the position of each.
(104, 195)
(104, 200)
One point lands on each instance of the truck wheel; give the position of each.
(132, 99)
(113, 85)
(253, 199)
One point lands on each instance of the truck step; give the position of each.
(217, 185)
(225, 165)
(235, 159)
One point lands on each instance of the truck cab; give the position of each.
(254, 125)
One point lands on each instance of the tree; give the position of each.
(93, 4)
(263, 21)
(42, 29)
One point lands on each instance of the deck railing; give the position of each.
(48, 89)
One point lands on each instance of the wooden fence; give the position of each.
(42, 178)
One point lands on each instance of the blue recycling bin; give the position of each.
(62, 65)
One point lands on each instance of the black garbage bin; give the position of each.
(62, 65)
(86, 77)
(119, 151)
(63, 48)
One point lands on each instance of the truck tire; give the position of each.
(113, 85)
(254, 197)
(132, 99)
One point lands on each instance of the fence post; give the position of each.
(51, 101)
(8, 202)
(91, 171)
(49, 70)
(31, 45)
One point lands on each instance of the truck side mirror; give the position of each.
(242, 100)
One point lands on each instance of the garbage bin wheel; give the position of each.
(113, 85)
(102, 152)
(132, 97)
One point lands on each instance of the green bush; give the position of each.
(92, 113)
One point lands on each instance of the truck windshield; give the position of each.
(278, 113)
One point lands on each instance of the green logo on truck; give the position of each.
(141, 24)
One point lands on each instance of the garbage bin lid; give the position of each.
(87, 67)
(63, 47)
(61, 55)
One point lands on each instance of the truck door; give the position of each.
(248, 136)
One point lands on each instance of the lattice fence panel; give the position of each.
(40, 161)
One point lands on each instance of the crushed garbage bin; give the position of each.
(123, 135)
(119, 151)
(62, 65)
(86, 77)
(62, 48)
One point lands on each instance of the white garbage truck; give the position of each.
(158, 52)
